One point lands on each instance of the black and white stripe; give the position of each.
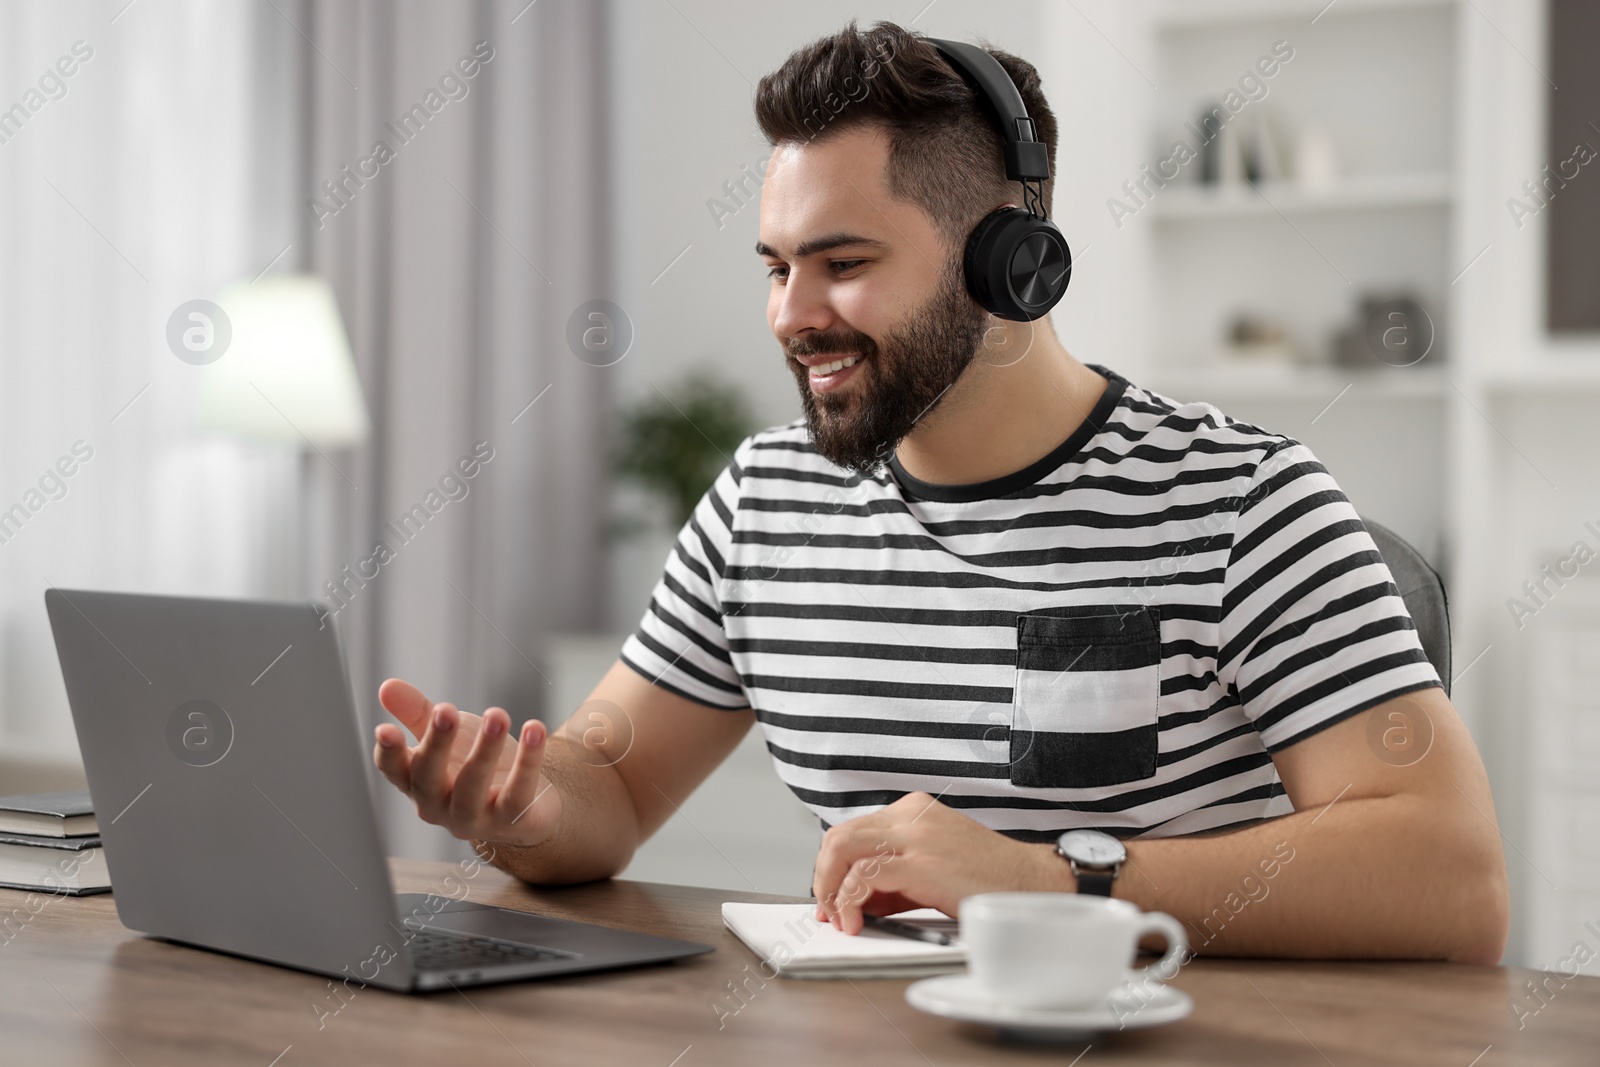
(1117, 636)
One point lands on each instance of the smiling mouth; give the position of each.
(836, 365)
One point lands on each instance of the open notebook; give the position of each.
(793, 944)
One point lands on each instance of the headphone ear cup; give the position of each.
(1017, 264)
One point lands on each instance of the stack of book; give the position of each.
(50, 842)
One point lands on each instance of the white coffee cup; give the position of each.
(1061, 950)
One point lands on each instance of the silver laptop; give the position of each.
(230, 782)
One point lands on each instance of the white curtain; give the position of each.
(145, 160)
(198, 142)
(459, 251)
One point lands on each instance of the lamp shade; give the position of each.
(287, 374)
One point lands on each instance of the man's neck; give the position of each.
(1005, 412)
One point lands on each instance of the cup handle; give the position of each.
(1157, 922)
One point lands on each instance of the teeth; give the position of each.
(836, 365)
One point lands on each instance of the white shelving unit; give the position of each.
(1377, 81)
(1563, 849)
(1483, 455)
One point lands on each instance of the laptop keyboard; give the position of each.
(436, 950)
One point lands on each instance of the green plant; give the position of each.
(674, 445)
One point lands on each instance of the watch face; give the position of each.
(1092, 848)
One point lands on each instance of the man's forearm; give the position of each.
(596, 835)
(1381, 877)
(1390, 854)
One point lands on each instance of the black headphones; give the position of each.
(1017, 263)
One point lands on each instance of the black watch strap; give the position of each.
(1096, 883)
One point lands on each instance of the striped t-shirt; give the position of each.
(1117, 636)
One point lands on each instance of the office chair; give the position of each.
(1423, 591)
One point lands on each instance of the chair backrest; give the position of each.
(1423, 591)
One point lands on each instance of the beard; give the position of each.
(899, 382)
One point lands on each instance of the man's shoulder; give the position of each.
(1196, 439)
(1196, 427)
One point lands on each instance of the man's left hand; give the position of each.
(919, 853)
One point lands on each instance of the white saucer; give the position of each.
(957, 996)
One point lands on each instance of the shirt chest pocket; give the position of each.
(1086, 697)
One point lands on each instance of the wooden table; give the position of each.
(78, 989)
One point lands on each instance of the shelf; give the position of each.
(1293, 383)
(1580, 374)
(1196, 202)
(1206, 14)
(1303, 384)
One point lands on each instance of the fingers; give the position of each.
(430, 763)
(457, 774)
(873, 880)
(407, 703)
(829, 871)
(469, 796)
(842, 846)
(518, 807)
(392, 756)
(474, 801)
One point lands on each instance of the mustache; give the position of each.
(842, 344)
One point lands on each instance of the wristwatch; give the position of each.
(1095, 859)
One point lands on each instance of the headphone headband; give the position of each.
(1026, 158)
(1016, 264)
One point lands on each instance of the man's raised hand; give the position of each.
(465, 773)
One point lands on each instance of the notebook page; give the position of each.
(789, 940)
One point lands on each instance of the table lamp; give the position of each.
(287, 377)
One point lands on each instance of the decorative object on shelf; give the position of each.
(1221, 149)
(1389, 328)
(1316, 159)
(1266, 154)
(1257, 340)
(1253, 150)
(1233, 150)
(675, 444)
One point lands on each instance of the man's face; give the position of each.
(863, 279)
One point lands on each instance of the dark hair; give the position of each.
(945, 147)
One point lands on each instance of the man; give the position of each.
(984, 593)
